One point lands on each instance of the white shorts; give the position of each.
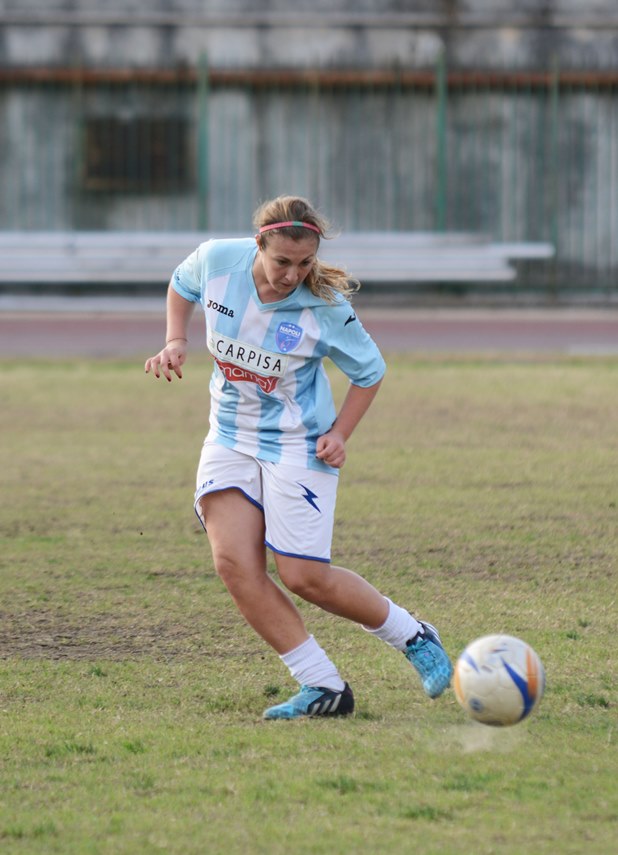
(298, 503)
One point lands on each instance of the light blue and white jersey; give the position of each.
(270, 395)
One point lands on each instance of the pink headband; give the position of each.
(290, 223)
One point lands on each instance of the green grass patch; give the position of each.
(480, 493)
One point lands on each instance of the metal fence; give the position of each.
(519, 156)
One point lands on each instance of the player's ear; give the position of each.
(260, 241)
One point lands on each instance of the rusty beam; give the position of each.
(302, 78)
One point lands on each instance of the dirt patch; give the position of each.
(49, 635)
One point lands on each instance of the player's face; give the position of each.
(282, 264)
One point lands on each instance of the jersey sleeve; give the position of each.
(352, 349)
(189, 278)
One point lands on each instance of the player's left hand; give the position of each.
(331, 449)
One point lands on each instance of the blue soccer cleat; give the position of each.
(314, 701)
(427, 655)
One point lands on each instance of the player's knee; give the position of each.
(228, 570)
(308, 581)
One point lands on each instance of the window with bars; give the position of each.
(136, 155)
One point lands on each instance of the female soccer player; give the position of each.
(268, 471)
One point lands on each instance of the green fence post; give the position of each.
(441, 153)
(202, 143)
(441, 164)
(554, 167)
(78, 166)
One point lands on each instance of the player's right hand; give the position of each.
(170, 359)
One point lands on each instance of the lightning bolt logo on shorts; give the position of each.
(309, 495)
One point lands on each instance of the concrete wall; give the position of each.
(354, 33)
(514, 169)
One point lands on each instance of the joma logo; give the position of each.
(219, 308)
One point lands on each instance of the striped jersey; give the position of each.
(270, 395)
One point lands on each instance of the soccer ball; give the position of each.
(499, 680)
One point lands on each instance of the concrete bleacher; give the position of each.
(147, 258)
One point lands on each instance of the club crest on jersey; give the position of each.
(288, 336)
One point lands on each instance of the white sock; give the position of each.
(398, 628)
(310, 666)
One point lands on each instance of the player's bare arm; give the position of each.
(173, 356)
(331, 446)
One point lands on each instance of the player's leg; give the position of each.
(240, 562)
(334, 589)
(346, 594)
(235, 529)
(299, 514)
(229, 503)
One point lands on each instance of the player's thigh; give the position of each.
(235, 529)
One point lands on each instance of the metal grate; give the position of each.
(137, 155)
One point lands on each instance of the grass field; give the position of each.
(481, 493)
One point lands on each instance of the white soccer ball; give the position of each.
(499, 680)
